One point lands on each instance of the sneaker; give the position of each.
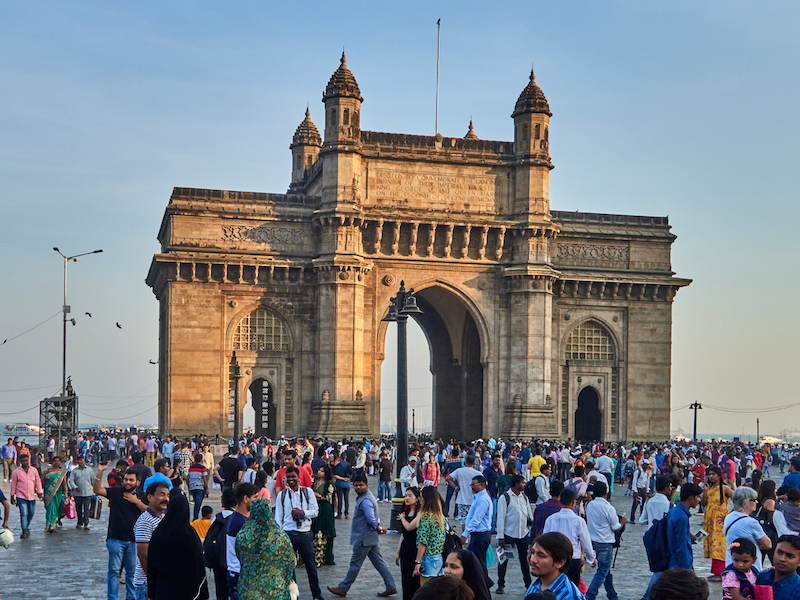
(500, 590)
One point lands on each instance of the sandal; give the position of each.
(714, 578)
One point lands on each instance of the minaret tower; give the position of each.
(531, 134)
(305, 149)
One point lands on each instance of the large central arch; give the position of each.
(455, 343)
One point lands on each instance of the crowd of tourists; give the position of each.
(546, 501)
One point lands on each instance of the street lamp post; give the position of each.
(65, 310)
(400, 307)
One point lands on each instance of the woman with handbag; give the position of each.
(55, 492)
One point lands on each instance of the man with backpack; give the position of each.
(215, 544)
(668, 542)
(513, 517)
(295, 507)
(537, 489)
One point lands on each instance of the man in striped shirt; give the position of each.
(549, 562)
(157, 501)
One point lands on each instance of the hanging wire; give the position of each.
(31, 329)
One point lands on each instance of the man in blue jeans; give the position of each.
(124, 508)
(478, 524)
(603, 524)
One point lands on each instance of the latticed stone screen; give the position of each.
(260, 330)
(589, 341)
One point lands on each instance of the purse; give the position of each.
(69, 508)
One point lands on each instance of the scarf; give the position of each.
(266, 556)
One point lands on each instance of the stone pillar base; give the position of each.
(337, 419)
(528, 420)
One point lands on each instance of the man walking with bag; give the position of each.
(513, 518)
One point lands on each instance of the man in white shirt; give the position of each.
(408, 475)
(513, 517)
(603, 523)
(640, 486)
(461, 480)
(542, 483)
(658, 506)
(295, 506)
(605, 465)
(574, 528)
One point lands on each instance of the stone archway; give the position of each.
(588, 418)
(455, 350)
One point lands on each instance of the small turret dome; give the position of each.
(307, 133)
(471, 133)
(342, 83)
(532, 100)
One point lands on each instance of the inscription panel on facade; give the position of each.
(456, 191)
(592, 255)
(272, 236)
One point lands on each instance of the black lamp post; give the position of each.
(400, 307)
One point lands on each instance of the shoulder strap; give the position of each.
(734, 522)
(508, 499)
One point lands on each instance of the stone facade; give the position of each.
(540, 323)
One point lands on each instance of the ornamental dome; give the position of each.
(342, 83)
(532, 100)
(307, 133)
(471, 133)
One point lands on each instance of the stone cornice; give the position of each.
(651, 290)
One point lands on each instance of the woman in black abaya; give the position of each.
(175, 569)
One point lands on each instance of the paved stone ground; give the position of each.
(72, 564)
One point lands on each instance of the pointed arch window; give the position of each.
(261, 330)
(589, 341)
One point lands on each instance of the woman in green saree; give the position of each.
(55, 491)
(266, 556)
(323, 525)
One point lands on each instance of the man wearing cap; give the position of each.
(408, 474)
(605, 465)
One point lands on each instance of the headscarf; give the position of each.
(266, 556)
(183, 570)
(473, 574)
(486, 462)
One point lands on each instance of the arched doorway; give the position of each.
(262, 399)
(588, 420)
(455, 364)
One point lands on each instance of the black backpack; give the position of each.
(215, 546)
(452, 542)
(530, 490)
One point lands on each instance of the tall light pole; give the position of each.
(695, 405)
(65, 310)
(400, 307)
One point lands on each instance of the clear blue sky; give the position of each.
(683, 109)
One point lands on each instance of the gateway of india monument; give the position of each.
(540, 323)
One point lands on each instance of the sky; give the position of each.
(683, 109)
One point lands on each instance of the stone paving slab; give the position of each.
(72, 564)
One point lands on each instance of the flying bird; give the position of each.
(119, 326)
(153, 362)
(88, 314)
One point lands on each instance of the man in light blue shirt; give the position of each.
(168, 449)
(478, 524)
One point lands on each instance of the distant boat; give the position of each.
(22, 429)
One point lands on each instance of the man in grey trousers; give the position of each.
(364, 539)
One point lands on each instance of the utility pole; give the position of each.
(758, 431)
(695, 406)
(413, 421)
(237, 375)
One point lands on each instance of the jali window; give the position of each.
(260, 330)
(589, 341)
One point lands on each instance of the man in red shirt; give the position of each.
(290, 460)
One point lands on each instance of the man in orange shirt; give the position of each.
(290, 460)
